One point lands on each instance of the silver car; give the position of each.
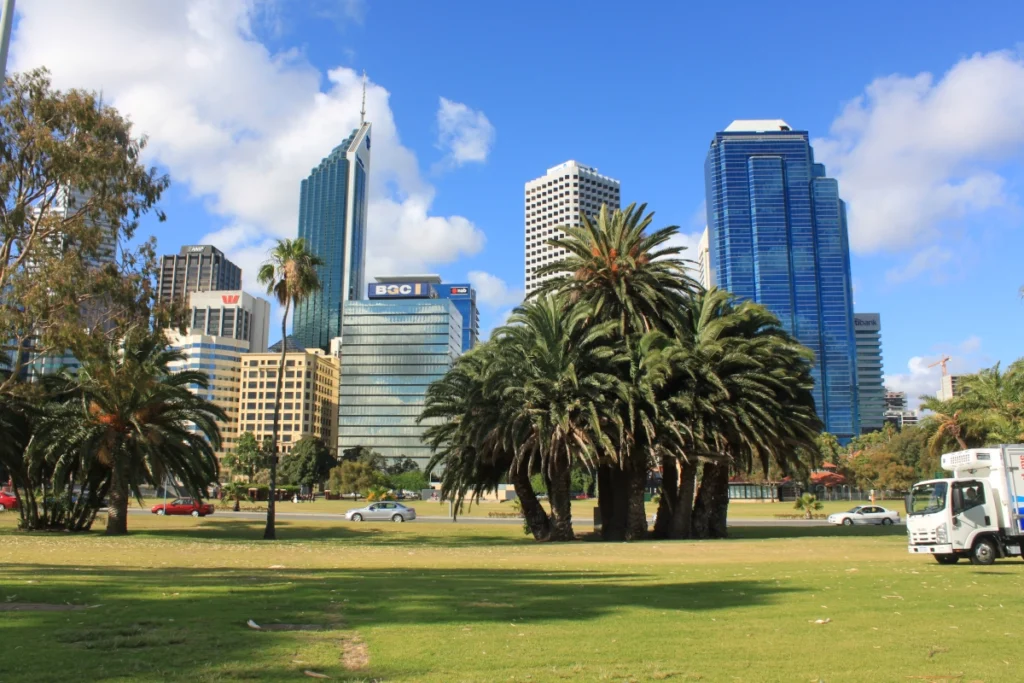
(382, 511)
(865, 514)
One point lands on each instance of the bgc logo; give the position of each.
(405, 290)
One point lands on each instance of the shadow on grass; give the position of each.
(765, 532)
(189, 624)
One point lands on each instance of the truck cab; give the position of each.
(972, 515)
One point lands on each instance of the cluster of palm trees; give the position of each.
(988, 409)
(623, 365)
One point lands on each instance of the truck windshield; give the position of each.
(928, 498)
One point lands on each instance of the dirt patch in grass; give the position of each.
(38, 607)
(355, 655)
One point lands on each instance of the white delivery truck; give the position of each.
(977, 513)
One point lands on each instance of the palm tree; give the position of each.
(623, 272)
(290, 276)
(809, 503)
(949, 423)
(563, 383)
(464, 414)
(133, 417)
(629, 275)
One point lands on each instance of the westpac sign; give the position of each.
(401, 290)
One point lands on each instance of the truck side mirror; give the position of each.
(906, 503)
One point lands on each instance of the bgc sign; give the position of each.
(403, 290)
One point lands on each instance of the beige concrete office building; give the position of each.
(556, 199)
(309, 402)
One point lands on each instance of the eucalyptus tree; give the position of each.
(290, 276)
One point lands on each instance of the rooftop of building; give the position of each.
(757, 126)
(571, 165)
(199, 249)
(292, 344)
(428, 278)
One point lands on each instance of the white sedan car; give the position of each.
(865, 514)
(385, 510)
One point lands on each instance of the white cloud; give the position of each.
(914, 154)
(932, 258)
(239, 125)
(494, 292)
(464, 134)
(920, 379)
(689, 242)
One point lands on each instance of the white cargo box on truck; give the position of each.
(1003, 466)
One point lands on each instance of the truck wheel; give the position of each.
(946, 559)
(984, 552)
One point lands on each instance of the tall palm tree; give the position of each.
(624, 272)
(950, 424)
(290, 276)
(627, 273)
(139, 421)
(561, 392)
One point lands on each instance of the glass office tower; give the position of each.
(332, 221)
(391, 350)
(867, 330)
(464, 297)
(778, 236)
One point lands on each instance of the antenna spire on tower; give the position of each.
(362, 112)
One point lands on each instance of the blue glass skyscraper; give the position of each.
(464, 297)
(778, 236)
(332, 221)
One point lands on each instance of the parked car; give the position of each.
(183, 506)
(865, 514)
(7, 501)
(385, 510)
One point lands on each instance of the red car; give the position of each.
(183, 506)
(7, 501)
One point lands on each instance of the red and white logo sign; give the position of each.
(230, 298)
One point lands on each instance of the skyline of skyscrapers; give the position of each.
(332, 221)
(778, 236)
(556, 199)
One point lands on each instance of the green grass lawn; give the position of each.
(437, 602)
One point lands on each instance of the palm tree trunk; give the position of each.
(675, 510)
(117, 511)
(270, 532)
(533, 512)
(636, 513)
(559, 495)
(711, 509)
(611, 501)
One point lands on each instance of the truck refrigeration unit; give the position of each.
(977, 513)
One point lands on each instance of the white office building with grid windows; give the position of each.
(555, 200)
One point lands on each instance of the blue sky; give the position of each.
(917, 108)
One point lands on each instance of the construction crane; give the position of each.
(942, 361)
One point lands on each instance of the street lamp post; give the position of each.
(6, 23)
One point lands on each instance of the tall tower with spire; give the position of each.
(332, 221)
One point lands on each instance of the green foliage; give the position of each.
(72, 177)
(378, 492)
(127, 420)
(414, 481)
(354, 477)
(308, 464)
(248, 459)
(401, 466)
(365, 455)
(809, 503)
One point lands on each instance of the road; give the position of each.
(327, 517)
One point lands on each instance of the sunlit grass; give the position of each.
(443, 602)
